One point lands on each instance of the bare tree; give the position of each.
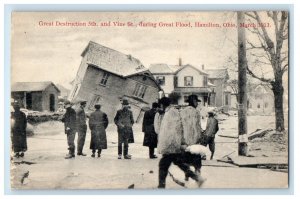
(267, 49)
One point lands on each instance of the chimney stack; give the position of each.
(180, 62)
(202, 66)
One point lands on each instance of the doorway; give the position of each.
(52, 102)
(28, 101)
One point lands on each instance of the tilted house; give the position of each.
(36, 96)
(107, 76)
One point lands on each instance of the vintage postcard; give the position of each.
(149, 100)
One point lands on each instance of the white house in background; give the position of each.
(187, 79)
(184, 80)
(260, 99)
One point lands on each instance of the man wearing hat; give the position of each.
(212, 127)
(69, 119)
(124, 121)
(81, 127)
(150, 137)
(18, 128)
(98, 122)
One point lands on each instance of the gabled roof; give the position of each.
(112, 60)
(31, 86)
(217, 73)
(188, 65)
(160, 69)
(169, 69)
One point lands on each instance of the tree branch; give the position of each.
(253, 46)
(256, 77)
(268, 40)
(285, 68)
(250, 15)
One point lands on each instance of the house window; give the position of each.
(204, 80)
(175, 81)
(258, 105)
(139, 91)
(188, 81)
(266, 105)
(104, 79)
(160, 80)
(96, 99)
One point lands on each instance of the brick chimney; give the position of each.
(180, 62)
(202, 66)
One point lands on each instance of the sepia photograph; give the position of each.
(149, 100)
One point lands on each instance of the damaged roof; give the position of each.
(112, 60)
(31, 86)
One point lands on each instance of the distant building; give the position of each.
(107, 76)
(64, 92)
(37, 96)
(219, 78)
(208, 85)
(260, 99)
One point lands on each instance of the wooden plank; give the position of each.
(256, 161)
(214, 163)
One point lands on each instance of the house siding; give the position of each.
(46, 98)
(38, 101)
(115, 89)
(189, 71)
(219, 90)
(168, 87)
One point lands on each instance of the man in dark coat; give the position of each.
(150, 138)
(212, 127)
(98, 122)
(81, 127)
(19, 142)
(124, 121)
(69, 119)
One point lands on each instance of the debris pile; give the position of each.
(268, 143)
(39, 117)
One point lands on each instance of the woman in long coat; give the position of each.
(98, 122)
(18, 129)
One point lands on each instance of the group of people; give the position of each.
(174, 131)
(75, 121)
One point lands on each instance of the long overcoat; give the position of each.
(170, 137)
(19, 141)
(150, 136)
(98, 122)
(124, 121)
(191, 123)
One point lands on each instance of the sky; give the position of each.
(42, 52)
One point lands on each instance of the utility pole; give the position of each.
(242, 84)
